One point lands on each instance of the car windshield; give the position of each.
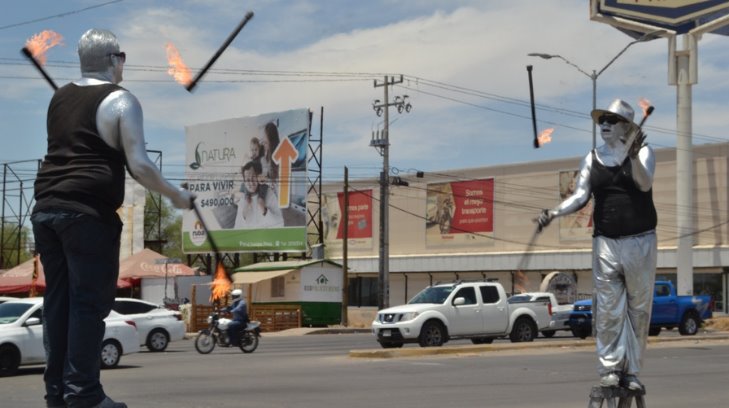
(11, 311)
(432, 294)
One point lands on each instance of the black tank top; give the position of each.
(80, 172)
(621, 209)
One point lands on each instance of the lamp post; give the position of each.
(381, 142)
(595, 74)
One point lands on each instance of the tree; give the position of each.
(162, 226)
(15, 245)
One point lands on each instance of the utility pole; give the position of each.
(382, 144)
(345, 250)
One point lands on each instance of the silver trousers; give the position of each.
(623, 273)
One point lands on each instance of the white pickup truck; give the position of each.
(560, 313)
(474, 310)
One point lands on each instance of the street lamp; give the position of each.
(595, 74)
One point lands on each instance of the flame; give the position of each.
(545, 136)
(644, 104)
(520, 282)
(221, 285)
(178, 69)
(42, 42)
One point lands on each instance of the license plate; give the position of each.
(386, 333)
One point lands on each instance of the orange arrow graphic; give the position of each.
(284, 155)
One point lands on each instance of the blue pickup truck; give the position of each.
(669, 311)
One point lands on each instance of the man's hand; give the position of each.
(545, 217)
(637, 144)
(183, 200)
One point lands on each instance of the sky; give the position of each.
(463, 64)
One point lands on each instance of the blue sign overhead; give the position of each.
(676, 15)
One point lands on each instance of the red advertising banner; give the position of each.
(474, 203)
(460, 213)
(360, 215)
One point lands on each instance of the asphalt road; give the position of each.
(316, 371)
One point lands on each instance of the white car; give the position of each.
(21, 336)
(156, 325)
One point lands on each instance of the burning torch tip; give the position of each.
(649, 110)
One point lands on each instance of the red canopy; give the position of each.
(147, 263)
(20, 279)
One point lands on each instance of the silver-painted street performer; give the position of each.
(95, 130)
(619, 177)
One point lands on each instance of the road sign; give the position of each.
(676, 15)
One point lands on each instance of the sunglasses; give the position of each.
(610, 119)
(122, 55)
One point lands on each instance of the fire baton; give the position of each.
(534, 112)
(25, 51)
(632, 137)
(222, 48)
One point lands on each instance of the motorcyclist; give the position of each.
(239, 309)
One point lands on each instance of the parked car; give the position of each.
(560, 313)
(4, 299)
(156, 325)
(669, 310)
(472, 310)
(21, 336)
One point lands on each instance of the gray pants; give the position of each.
(623, 273)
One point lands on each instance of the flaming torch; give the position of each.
(533, 106)
(647, 108)
(221, 282)
(545, 136)
(35, 50)
(191, 85)
(178, 69)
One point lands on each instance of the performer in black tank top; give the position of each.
(619, 178)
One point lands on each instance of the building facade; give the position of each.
(478, 223)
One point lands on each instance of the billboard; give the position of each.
(578, 225)
(249, 175)
(359, 232)
(460, 212)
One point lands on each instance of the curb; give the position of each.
(475, 349)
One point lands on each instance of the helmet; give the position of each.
(236, 293)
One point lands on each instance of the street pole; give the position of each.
(382, 143)
(595, 74)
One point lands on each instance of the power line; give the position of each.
(68, 13)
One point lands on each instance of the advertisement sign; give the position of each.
(249, 176)
(576, 226)
(359, 232)
(459, 213)
(677, 15)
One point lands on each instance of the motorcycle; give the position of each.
(217, 334)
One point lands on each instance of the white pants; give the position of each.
(623, 273)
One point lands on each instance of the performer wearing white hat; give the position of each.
(619, 177)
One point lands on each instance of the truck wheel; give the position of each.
(548, 333)
(432, 334)
(580, 332)
(524, 330)
(482, 340)
(689, 324)
(654, 331)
